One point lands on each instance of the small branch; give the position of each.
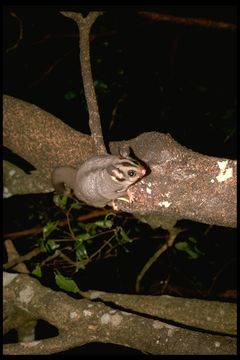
(37, 229)
(169, 242)
(13, 256)
(22, 258)
(84, 26)
(188, 21)
(20, 36)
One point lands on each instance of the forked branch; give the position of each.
(84, 26)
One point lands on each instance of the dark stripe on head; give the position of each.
(129, 164)
(119, 179)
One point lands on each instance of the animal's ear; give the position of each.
(124, 152)
(127, 152)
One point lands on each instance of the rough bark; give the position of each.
(83, 321)
(215, 316)
(181, 184)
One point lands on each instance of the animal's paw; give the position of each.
(129, 200)
(114, 205)
(131, 196)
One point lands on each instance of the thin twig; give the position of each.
(169, 242)
(189, 21)
(106, 243)
(22, 258)
(37, 229)
(20, 36)
(13, 255)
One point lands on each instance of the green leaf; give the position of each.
(41, 243)
(37, 271)
(121, 236)
(76, 205)
(192, 239)
(49, 228)
(192, 250)
(84, 236)
(51, 245)
(181, 245)
(60, 201)
(47, 246)
(66, 283)
(104, 224)
(124, 235)
(80, 250)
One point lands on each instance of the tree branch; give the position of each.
(172, 235)
(188, 21)
(214, 316)
(84, 26)
(84, 321)
(182, 184)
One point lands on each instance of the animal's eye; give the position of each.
(132, 173)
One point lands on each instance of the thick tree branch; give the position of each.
(84, 321)
(30, 131)
(182, 184)
(214, 316)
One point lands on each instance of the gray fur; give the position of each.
(100, 179)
